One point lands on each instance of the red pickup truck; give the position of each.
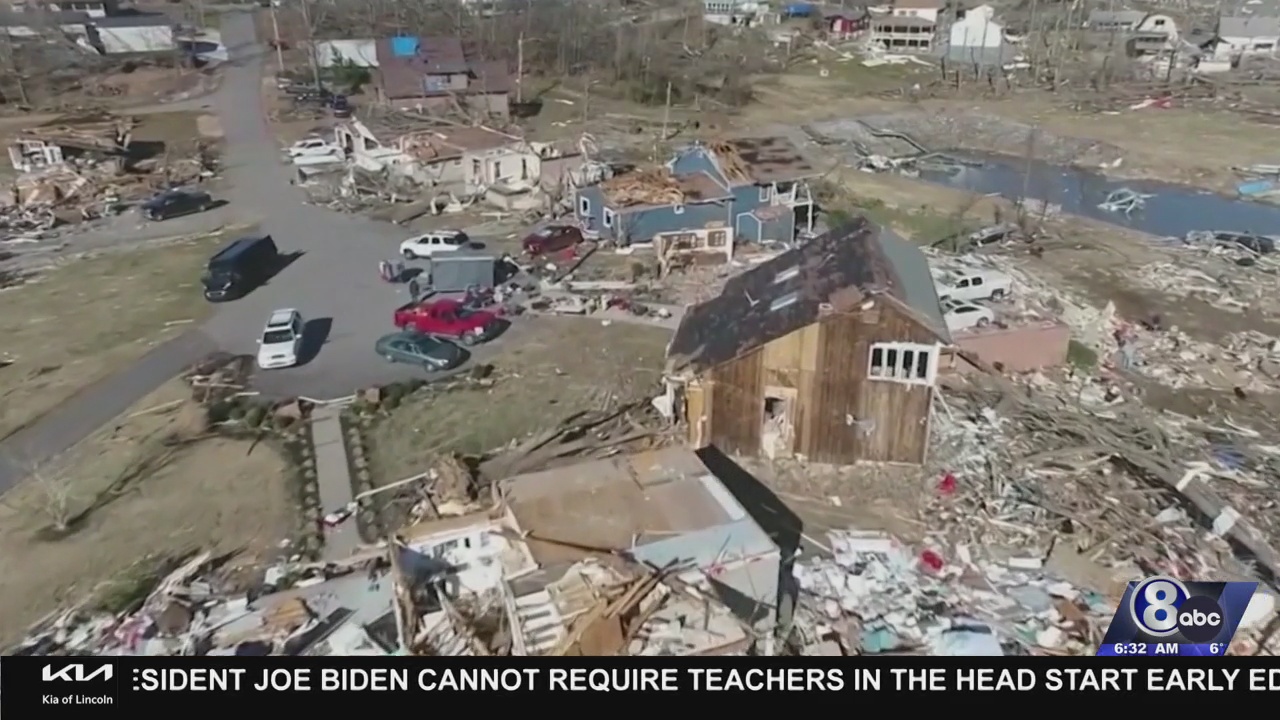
(447, 319)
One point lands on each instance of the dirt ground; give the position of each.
(151, 501)
(554, 368)
(78, 323)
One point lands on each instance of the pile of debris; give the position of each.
(219, 376)
(873, 596)
(649, 186)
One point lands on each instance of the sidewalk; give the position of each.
(334, 479)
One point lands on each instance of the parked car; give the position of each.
(970, 284)
(281, 340)
(174, 203)
(238, 267)
(448, 319)
(551, 239)
(313, 146)
(340, 106)
(433, 243)
(415, 349)
(961, 315)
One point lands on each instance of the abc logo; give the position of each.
(1162, 606)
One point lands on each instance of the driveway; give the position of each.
(335, 281)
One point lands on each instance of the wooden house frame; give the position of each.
(827, 352)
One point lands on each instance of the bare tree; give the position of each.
(48, 492)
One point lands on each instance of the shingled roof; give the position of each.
(786, 293)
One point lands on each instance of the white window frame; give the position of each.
(765, 193)
(608, 216)
(786, 275)
(584, 206)
(905, 368)
(678, 210)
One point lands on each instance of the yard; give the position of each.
(130, 496)
(551, 369)
(76, 324)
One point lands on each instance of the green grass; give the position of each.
(922, 226)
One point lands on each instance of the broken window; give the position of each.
(584, 206)
(903, 362)
(717, 238)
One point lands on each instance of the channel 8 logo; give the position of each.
(1163, 607)
(1167, 610)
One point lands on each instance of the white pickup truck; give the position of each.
(315, 151)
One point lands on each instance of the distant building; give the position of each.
(903, 33)
(848, 23)
(706, 199)
(743, 13)
(433, 74)
(140, 33)
(922, 9)
(1240, 36)
(74, 26)
(92, 8)
(360, 53)
(976, 30)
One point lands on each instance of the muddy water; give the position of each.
(1172, 211)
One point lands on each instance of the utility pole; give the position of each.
(666, 113)
(311, 45)
(520, 69)
(586, 101)
(275, 34)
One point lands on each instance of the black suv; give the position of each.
(175, 203)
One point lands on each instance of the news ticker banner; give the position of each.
(93, 686)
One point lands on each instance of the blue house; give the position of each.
(706, 199)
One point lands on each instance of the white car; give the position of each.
(313, 146)
(970, 284)
(434, 243)
(964, 315)
(281, 340)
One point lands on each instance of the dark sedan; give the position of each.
(414, 349)
(175, 203)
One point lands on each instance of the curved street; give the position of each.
(334, 283)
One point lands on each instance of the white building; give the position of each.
(746, 13)
(73, 25)
(1238, 36)
(977, 30)
(361, 53)
(922, 9)
(143, 33)
(92, 8)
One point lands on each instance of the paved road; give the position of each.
(334, 282)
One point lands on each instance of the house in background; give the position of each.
(976, 39)
(92, 8)
(922, 9)
(742, 13)
(74, 26)
(465, 160)
(432, 74)
(707, 198)
(134, 33)
(848, 23)
(1252, 35)
(828, 352)
(903, 34)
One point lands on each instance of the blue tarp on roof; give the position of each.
(404, 46)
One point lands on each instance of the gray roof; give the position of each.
(1251, 27)
(139, 20)
(1119, 17)
(918, 289)
(42, 19)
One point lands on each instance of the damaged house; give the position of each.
(645, 554)
(509, 170)
(827, 352)
(434, 75)
(71, 139)
(707, 198)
